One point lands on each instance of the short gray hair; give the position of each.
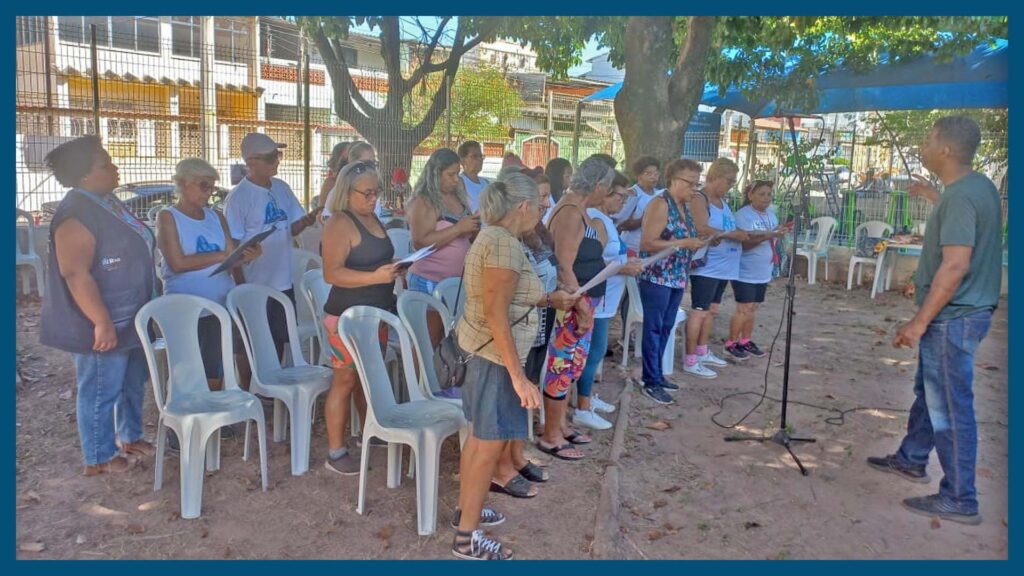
(192, 169)
(503, 195)
(962, 134)
(590, 174)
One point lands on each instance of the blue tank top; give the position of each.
(723, 261)
(198, 237)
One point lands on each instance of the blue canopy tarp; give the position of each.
(978, 79)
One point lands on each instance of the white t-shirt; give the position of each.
(634, 208)
(473, 190)
(613, 252)
(756, 263)
(723, 261)
(251, 209)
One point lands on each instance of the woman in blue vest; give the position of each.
(100, 273)
(193, 240)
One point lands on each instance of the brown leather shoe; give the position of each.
(139, 449)
(115, 465)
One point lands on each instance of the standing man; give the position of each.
(258, 202)
(957, 281)
(471, 156)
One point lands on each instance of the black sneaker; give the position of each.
(752, 349)
(658, 394)
(936, 505)
(488, 517)
(347, 465)
(669, 385)
(737, 351)
(477, 546)
(893, 465)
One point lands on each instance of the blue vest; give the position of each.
(122, 267)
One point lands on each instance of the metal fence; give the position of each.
(156, 93)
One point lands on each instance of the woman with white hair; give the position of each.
(194, 239)
(497, 330)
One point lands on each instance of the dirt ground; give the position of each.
(685, 493)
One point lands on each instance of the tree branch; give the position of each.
(345, 100)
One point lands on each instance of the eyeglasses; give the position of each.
(270, 157)
(371, 193)
(650, 173)
(205, 185)
(690, 182)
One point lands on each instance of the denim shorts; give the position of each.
(420, 284)
(490, 402)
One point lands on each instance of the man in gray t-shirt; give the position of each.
(958, 279)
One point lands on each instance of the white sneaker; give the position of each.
(600, 405)
(711, 359)
(589, 419)
(698, 369)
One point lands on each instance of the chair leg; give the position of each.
(39, 279)
(364, 463)
(394, 463)
(213, 451)
(625, 343)
(301, 429)
(261, 437)
(354, 419)
(192, 455)
(849, 275)
(428, 455)
(280, 413)
(245, 449)
(158, 463)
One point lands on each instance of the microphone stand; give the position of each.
(781, 436)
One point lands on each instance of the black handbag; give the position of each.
(450, 359)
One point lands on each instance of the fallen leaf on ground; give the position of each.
(654, 535)
(135, 528)
(385, 532)
(204, 532)
(660, 425)
(659, 504)
(749, 525)
(32, 547)
(669, 528)
(33, 496)
(935, 523)
(672, 489)
(992, 368)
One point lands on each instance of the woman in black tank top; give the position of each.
(357, 265)
(578, 247)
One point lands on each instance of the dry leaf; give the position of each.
(672, 489)
(669, 528)
(935, 523)
(654, 535)
(659, 504)
(749, 525)
(32, 547)
(385, 532)
(135, 528)
(660, 425)
(33, 496)
(204, 532)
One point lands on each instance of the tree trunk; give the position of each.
(653, 109)
(394, 150)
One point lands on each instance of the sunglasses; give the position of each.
(270, 157)
(362, 166)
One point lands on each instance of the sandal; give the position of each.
(577, 437)
(139, 448)
(556, 451)
(534, 473)
(115, 465)
(517, 487)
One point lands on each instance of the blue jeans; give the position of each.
(420, 284)
(111, 388)
(598, 346)
(942, 416)
(661, 304)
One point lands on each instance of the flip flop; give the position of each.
(577, 437)
(533, 473)
(517, 487)
(556, 451)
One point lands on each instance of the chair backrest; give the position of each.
(447, 291)
(873, 229)
(247, 304)
(177, 321)
(633, 292)
(316, 290)
(28, 248)
(825, 228)
(412, 310)
(359, 330)
(401, 240)
(302, 260)
(153, 211)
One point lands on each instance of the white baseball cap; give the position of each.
(257, 144)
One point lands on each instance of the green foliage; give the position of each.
(483, 104)
(906, 130)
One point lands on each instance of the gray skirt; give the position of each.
(490, 402)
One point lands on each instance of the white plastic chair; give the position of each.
(635, 321)
(872, 229)
(825, 228)
(401, 239)
(412, 310)
(306, 324)
(25, 255)
(189, 408)
(421, 423)
(447, 291)
(296, 386)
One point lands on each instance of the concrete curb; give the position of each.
(606, 527)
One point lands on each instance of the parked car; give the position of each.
(143, 197)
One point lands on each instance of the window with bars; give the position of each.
(138, 33)
(185, 36)
(230, 38)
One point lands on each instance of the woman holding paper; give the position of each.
(667, 224)
(759, 254)
(194, 239)
(579, 243)
(358, 266)
(587, 404)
